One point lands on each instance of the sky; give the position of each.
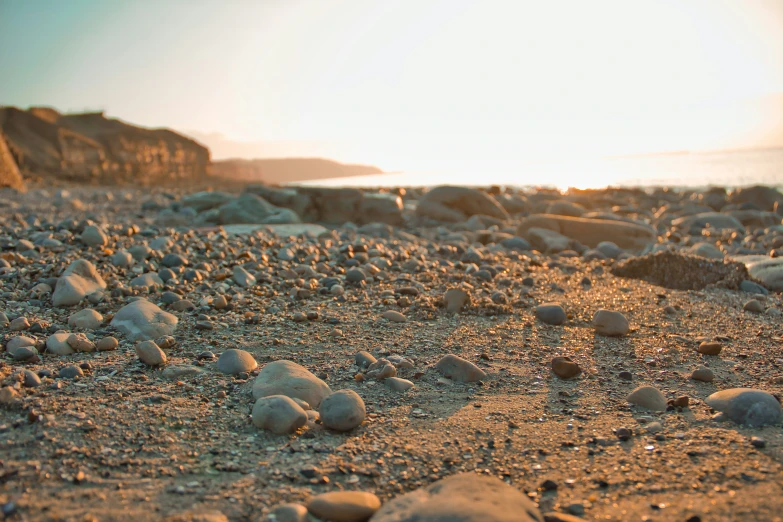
(410, 85)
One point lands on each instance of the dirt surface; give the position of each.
(126, 442)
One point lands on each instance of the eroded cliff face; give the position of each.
(9, 172)
(92, 148)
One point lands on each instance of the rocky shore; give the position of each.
(283, 354)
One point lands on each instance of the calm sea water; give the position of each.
(725, 168)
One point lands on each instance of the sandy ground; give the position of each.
(126, 443)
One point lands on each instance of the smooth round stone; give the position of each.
(122, 259)
(30, 379)
(710, 348)
(57, 344)
(175, 373)
(87, 319)
(78, 281)
(288, 513)
(364, 359)
(234, 361)
(173, 260)
(80, 343)
(394, 316)
(455, 299)
(703, 374)
(342, 411)
(279, 414)
(150, 353)
(565, 368)
(397, 384)
(610, 323)
(170, 298)
(551, 313)
(344, 506)
(70, 372)
(649, 398)
(753, 306)
(18, 342)
(465, 497)
(747, 406)
(148, 280)
(23, 353)
(107, 344)
(19, 324)
(458, 369)
(292, 380)
(243, 278)
(355, 275)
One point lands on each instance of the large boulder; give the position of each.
(591, 232)
(466, 497)
(747, 406)
(78, 281)
(334, 205)
(455, 204)
(766, 270)
(763, 198)
(293, 199)
(250, 209)
(381, 208)
(201, 201)
(289, 379)
(142, 320)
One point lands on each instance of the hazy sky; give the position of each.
(406, 84)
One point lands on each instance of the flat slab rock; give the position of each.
(466, 497)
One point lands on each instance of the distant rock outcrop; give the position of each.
(286, 170)
(89, 147)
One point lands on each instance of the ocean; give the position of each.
(686, 170)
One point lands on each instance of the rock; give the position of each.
(763, 198)
(148, 280)
(554, 516)
(456, 204)
(752, 288)
(364, 359)
(288, 513)
(86, 319)
(465, 497)
(609, 249)
(30, 379)
(380, 208)
(70, 372)
(458, 369)
(703, 374)
(707, 250)
(355, 275)
(289, 379)
(591, 232)
(175, 373)
(107, 344)
(455, 300)
(397, 384)
(234, 361)
(142, 320)
(548, 241)
(342, 410)
(344, 506)
(78, 281)
(201, 201)
(712, 220)
(251, 209)
(394, 316)
(80, 343)
(766, 270)
(150, 353)
(19, 341)
(551, 313)
(648, 397)
(57, 344)
(710, 348)
(19, 324)
(611, 324)
(93, 236)
(565, 208)
(753, 306)
(22, 353)
(243, 278)
(279, 414)
(565, 368)
(9, 396)
(747, 406)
